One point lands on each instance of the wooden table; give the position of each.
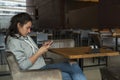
(81, 53)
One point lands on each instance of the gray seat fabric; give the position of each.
(18, 74)
(2, 44)
(110, 73)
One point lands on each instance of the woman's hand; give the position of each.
(48, 43)
(44, 48)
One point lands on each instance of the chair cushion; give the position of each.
(112, 73)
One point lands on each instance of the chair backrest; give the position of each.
(41, 37)
(63, 43)
(96, 39)
(13, 65)
(2, 42)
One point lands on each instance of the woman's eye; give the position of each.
(28, 28)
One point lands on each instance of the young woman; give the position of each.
(28, 55)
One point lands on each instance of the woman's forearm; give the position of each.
(41, 51)
(35, 57)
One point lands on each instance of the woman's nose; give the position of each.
(29, 30)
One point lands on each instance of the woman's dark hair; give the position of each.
(21, 18)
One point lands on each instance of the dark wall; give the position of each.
(109, 13)
(84, 18)
(105, 13)
(50, 13)
(62, 13)
(80, 14)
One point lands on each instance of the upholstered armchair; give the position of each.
(18, 74)
(110, 73)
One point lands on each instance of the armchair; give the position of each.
(110, 73)
(18, 74)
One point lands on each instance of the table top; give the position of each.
(116, 35)
(82, 52)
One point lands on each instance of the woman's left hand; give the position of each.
(48, 43)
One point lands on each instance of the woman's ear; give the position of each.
(18, 25)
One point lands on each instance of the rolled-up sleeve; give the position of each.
(15, 47)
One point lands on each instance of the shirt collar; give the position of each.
(22, 37)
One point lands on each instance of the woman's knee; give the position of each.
(78, 76)
(66, 76)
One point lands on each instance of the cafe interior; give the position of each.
(86, 31)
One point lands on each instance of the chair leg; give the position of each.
(93, 60)
(99, 60)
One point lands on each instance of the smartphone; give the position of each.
(48, 42)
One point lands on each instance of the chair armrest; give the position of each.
(110, 73)
(52, 74)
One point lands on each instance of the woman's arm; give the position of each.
(25, 62)
(15, 47)
(41, 51)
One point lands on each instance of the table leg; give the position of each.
(116, 43)
(81, 63)
(106, 59)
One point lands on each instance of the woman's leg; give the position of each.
(66, 76)
(77, 72)
(73, 69)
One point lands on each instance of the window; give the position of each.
(8, 8)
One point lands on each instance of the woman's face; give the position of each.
(25, 29)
